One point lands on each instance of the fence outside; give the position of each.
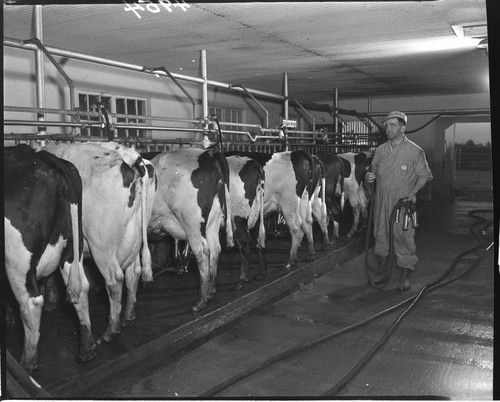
(473, 157)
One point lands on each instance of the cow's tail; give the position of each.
(262, 229)
(324, 213)
(74, 182)
(226, 199)
(147, 270)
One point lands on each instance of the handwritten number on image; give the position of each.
(154, 7)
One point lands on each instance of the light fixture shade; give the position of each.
(483, 44)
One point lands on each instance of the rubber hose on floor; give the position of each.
(413, 299)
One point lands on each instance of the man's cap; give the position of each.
(398, 115)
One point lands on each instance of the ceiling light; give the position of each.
(471, 30)
(483, 44)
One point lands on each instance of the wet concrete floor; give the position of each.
(443, 349)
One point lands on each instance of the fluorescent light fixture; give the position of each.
(477, 30)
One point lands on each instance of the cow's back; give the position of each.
(112, 193)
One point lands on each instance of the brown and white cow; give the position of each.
(192, 201)
(287, 189)
(42, 218)
(247, 180)
(355, 166)
(119, 189)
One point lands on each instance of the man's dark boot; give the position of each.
(383, 271)
(404, 279)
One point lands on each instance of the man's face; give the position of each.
(394, 129)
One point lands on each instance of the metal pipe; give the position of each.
(446, 112)
(307, 113)
(39, 65)
(23, 109)
(285, 95)
(336, 106)
(257, 102)
(134, 67)
(155, 70)
(96, 124)
(71, 85)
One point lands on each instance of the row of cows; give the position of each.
(105, 201)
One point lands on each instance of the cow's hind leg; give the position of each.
(356, 211)
(243, 239)
(31, 315)
(113, 278)
(296, 235)
(87, 350)
(132, 274)
(201, 252)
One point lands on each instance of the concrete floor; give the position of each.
(442, 349)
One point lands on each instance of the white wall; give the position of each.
(167, 100)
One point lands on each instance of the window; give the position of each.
(229, 116)
(133, 108)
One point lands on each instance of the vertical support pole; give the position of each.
(39, 67)
(206, 140)
(335, 106)
(285, 94)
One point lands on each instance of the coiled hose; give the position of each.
(440, 282)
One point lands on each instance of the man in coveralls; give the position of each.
(401, 170)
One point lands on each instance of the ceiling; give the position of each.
(364, 49)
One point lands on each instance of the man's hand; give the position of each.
(370, 177)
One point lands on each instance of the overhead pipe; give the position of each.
(257, 102)
(71, 85)
(134, 67)
(156, 70)
(313, 120)
(39, 65)
(444, 112)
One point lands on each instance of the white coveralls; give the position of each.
(396, 170)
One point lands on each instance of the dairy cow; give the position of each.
(333, 168)
(287, 189)
(119, 189)
(318, 202)
(192, 204)
(247, 180)
(42, 218)
(354, 167)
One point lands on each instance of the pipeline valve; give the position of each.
(409, 213)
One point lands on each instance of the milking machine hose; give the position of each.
(440, 282)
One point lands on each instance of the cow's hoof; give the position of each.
(239, 285)
(329, 246)
(289, 265)
(86, 356)
(260, 277)
(199, 306)
(128, 323)
(106, 338)
(310, 257)
(31, 369)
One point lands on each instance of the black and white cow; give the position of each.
(42, 218)
(333, 167)
(247, 180)
(355, 166)
(318, 202)
(119, 189)
(287, 189)
(192, 201)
